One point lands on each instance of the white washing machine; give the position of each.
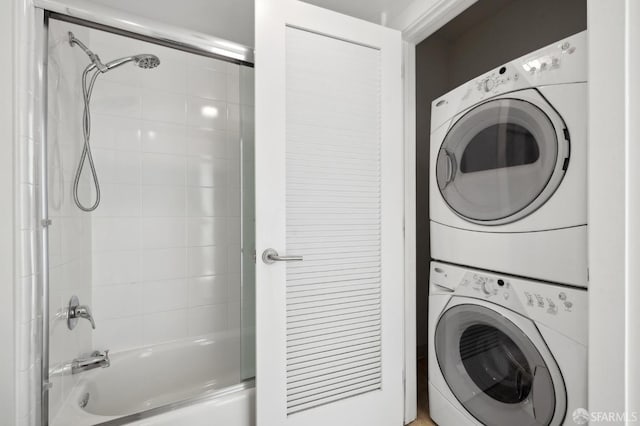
(504, 350)
(508, 175)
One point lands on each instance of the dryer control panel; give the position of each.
(560, 307)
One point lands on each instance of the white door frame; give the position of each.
(614, 194)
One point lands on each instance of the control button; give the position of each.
(506, 296)
(516, 77)
(568, 304)
(502, 70)
(540, 300)
(529, 299)
(500, 283)
(562, 296)
(565, 45)
(555, 63)
(489, 85)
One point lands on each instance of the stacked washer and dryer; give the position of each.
(508, 210)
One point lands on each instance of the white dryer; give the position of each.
(508, 167)
(504, 350)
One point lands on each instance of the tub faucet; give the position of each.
(94, 360)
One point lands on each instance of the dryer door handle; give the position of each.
(451, 167)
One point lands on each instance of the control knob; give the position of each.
(489, 288)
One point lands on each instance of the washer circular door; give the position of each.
(503, 159)
(494, 368)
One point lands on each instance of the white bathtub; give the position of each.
(195, 381)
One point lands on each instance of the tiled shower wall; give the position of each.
(166, 238)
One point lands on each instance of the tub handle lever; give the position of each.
(75, 311)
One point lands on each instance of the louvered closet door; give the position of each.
(329, 189)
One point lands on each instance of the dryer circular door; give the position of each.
(499, 368)
(503, 159)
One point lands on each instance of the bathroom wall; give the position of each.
(70, 231)
(486, 35)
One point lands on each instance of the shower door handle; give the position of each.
(270, 256)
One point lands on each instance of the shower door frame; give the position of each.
(122, 24)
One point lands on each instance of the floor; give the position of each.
(423, 405)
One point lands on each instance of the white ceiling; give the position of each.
(369, 10)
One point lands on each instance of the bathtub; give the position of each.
(195, 381)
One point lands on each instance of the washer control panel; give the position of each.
(562, 308)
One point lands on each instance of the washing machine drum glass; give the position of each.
(498, 160)
(493, 368)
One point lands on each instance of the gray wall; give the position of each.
(488, 34)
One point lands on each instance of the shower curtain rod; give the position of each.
(119, 22)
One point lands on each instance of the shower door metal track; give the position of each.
(130, 26)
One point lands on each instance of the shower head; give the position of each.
(144, 61)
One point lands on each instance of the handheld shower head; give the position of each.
(144, 61)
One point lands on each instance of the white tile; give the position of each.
(233, 198)
(234, 256)
(234, 282)
(209, 290)
(119, 334)
(115, 233)
(234, 316)
(170, 75)
(117, 200)
(116, 99)
(207, 261)
(165, 326)
(117, 166)
(234, 233)
(207, 172)
(207, 83)
(206, 113)
(247, 86)
(233, 87)
(163, 232)
(207, 231)
(166, 107)
(163, 169)
(206, 142)
(114, 133)
(233, 173)
(161, 200)
(233, 146)
(163, 138)
(163, 264)
(233, 119)
(117, 301)
(206, 202)
(197, 61)
(207, 319)
(115, 267)
(165, 295)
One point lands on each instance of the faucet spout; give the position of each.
(95, 360)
